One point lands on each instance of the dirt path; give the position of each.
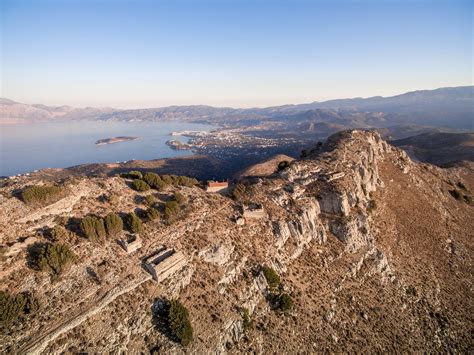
(37, 344)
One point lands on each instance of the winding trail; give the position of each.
(37, 344)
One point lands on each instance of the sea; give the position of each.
(28, 147)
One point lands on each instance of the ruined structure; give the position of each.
(253, 210)
(164, 263)
(333, 176)
(131, 242)
(213, 186)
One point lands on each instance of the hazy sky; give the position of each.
(140, 53)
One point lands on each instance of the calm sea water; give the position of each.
(24, 148)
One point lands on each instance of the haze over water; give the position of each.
(25, 148)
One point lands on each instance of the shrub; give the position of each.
(186, 181)
(140, 185)
(15, 307)
(59, 232)
(179, 323)
(171, 209)
(113, 224)
(54, 258)
(238, 191)
(154, 180)
(152, 213)
(283, 165)
(273, 279)
(178, 197)
(168, 180)
(40, 194)
(285, 303)
(112, 199)
(247, 323)
(134, 223)
(150, 200)
(93, 228)
(134, 174)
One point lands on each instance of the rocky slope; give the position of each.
(374, 250)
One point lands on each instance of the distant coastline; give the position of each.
(115, 140)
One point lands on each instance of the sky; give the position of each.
(144, 53)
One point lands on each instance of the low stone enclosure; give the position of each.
(164, 263)
(213, 186)
(253, 210)
(333, 176)
(131, 242)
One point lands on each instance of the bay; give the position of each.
(25, 148)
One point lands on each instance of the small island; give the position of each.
(115, 140)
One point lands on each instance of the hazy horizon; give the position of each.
(138, 54)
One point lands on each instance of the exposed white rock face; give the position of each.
(334, 202)
(303, 228)
(218, 254)
(353, 231)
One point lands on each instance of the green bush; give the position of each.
(154, 180)
(59, 232)
(134, 174)
(54, 258)
(93, 229)
(285, 303)
(15, 307)
(179, 323)
(152, 214)
(134, 223)
(247, 323)
(113, 224)
(140, 185)
(150, 200)
(171, 209)
(178, 197)
(273, 279)
(40, 194)
(186, 181)
(167, 179)
(238, 191)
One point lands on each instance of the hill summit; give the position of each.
(353, 248)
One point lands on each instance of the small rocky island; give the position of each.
(115, 140)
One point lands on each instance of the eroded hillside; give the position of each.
(354, 248)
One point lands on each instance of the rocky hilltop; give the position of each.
(353, 248)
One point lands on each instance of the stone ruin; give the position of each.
(213, 186)
(131, 242)
(253, 210)
(333, 176)
(164, 263)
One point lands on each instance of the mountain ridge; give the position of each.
(459, 100)
(374, 250)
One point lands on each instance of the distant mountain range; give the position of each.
(444, 107)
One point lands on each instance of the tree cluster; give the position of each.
(16, 307)
(40, 194)
(179, 323)
(54, 258)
